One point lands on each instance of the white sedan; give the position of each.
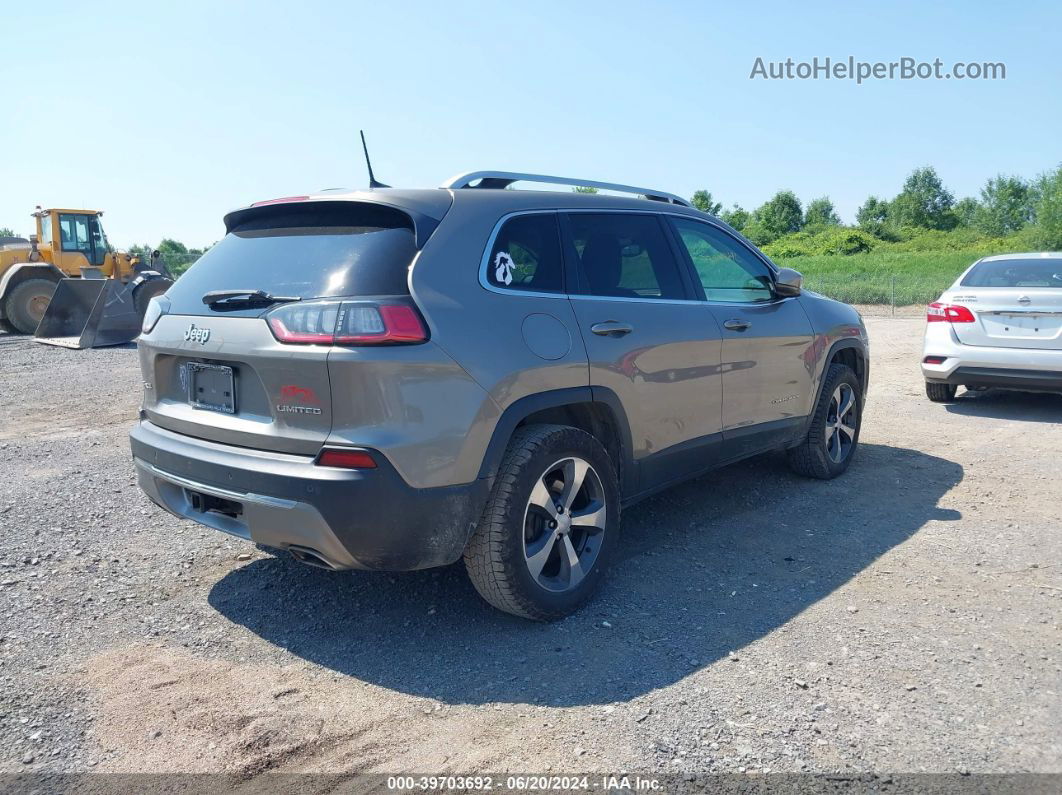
(999, 325)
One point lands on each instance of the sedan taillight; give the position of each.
(937, 312)
(374, 322)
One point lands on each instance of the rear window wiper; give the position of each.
(249, 297)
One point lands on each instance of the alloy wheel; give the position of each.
(564, 524)
(841, 419)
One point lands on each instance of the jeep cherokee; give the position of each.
(395, 379)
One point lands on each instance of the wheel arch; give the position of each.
(595, 410)
(851, 352)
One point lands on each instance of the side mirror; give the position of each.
(788, 282)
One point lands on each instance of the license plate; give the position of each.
(1024, 325)
(211, 387)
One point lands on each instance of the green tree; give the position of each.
(584, 189)
(736, 217)
(1048, 192)
(704, 202)
(781, 215)
(821, 213)
(873, 215)
(966, 211)
(172, 248)
(1005, 206)
(6, 231)
(924, 202)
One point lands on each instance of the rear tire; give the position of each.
(940, 393)
(27, 304)
(833, 437)
(546, 535)
(145, 291)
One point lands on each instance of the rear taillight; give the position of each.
(375, 322)
(935, 359)
(937, 312)
(156, 308)
(345, 459)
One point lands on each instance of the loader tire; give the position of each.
(27, 303)
(145, 291)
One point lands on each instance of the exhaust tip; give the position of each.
(311, 557)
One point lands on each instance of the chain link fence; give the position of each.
(887, 295)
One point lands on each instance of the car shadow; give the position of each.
(1004, 404)
(704, 568)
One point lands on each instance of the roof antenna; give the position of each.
(372, 179)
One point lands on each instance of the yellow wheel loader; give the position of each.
(67, 286)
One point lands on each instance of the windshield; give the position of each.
(311, 252)
(1046, 272)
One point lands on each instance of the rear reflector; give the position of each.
(937, 312)
(376, 322)
(346, 459)
(935, 359)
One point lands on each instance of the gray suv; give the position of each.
(395, 379)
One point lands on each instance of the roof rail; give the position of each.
(503, 179)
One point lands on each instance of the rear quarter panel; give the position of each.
(490, 334)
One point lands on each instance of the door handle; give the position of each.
(610, 328)
(736, 325)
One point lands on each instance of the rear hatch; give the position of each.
(220, 371)
(1015, 303)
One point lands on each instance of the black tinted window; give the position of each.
(1016, 273)
(727, 270)
(527, 256)
(314, 251)
(624, 255)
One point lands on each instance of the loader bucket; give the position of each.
(89, 313)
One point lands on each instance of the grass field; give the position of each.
(891, 277)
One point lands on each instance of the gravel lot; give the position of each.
(905, 617)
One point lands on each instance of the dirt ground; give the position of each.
(905, 617)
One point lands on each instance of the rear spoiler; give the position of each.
(423, 225)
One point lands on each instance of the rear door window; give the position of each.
(526, 255)
(318, 250)
(624, 255)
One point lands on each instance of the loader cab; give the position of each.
(75, 240)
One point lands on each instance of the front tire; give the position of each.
(940, 393)
(833, 437)
(546, 535)
(27, 304)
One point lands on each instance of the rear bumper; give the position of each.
(975, 365)
(337, 518)
(1006, 378)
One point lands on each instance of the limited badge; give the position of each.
(503, 268)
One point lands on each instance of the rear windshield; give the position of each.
(1015, 273)
(308, 252)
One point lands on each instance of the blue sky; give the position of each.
(166, 115)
